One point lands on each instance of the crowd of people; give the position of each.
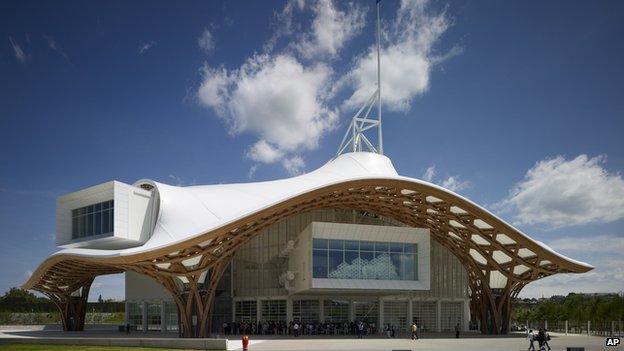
(542, 337)
(296, 328)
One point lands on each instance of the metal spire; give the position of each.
(354, 139)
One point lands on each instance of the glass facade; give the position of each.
(350, 259)
(246, 311)
(336, 311)
(93, 220)
(424, 314)
(366, 311)
(153, 316)
(450, 315)
(135, 314)
(274, 310)
(306, 311)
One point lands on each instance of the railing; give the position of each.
(598, 328)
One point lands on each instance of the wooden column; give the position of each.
(73, 309)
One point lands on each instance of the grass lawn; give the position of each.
(41, 347)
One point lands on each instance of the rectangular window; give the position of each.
(350, 259)
(92, 220)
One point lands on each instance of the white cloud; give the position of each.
(146, 46)
(283, 22)
(429, 174)
(285, 96)
(275, 97)
(263, 152)
(206, 41)
(602, 251)
(407, 59)
(52, 44)
(331, 29)
(20, 55)
(452, 183)
(558, 193)
(293, 165)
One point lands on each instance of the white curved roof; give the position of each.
(188, 214)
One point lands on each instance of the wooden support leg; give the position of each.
(73, 309)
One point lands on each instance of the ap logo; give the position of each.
(612, 342)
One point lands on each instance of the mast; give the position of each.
(380, 137)
(355, 138)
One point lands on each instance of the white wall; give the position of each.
(143, 288)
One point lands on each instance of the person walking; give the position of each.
(541, 338)
(457, 331)
(414, 329)
(546, 338)
(531, 338)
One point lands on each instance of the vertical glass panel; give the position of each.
(83, 226)
(409, 248)
(98, 223)
(381, 247)
(367, 246)
(368, 264)
(336, 244)
(98, 207)
(408, 267)
(395, 267)
(352, 245)
(319, 243)
(75, 228)
(396, 247)
(105, 205)
(319, 264)
(89, 230)
(106, 221)
(335, 264)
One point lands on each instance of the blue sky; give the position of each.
(518, 106)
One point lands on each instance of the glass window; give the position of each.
(98, 223)
(356, 260)
(105, 221)
(336, 244)
(92, 220)
(352, 245)
(319, 243)
(335, 260)
(367, 246)
(381, 247)
(396, 247)
(319, 264)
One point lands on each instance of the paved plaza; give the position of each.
(472, 342)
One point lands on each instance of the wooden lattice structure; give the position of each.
(499, 259)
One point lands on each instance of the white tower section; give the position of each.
(355, 138)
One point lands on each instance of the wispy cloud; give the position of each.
(20, 55)
(143, 48)
(179, 181)
(452, 183)
(206, 41)
(54, 45)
